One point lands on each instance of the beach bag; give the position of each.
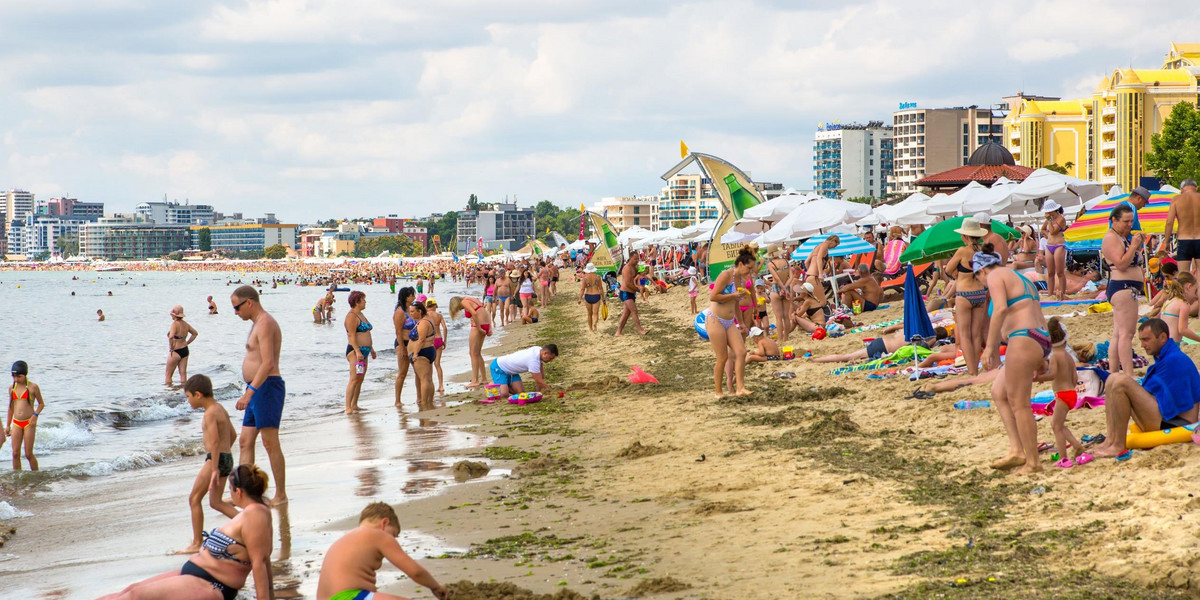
(604, 310)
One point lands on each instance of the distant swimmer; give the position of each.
(265, 389)
(100, 314)
(218, 435)
(22, 418)
(179, 336)
(349, 567)
(212, 306)
(110, 292)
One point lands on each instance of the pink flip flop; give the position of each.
(1045, 446)
(1065, 463)
(486, 401)
(1084, 459)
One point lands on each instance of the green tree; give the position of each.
(175, 256)
(681, 224)
(861, 199)
(67, 244)
(394, 244)
(1175, 151)
(1057, 169)
(275, 252)
(473, 202)
(42, 256)
(205, 238)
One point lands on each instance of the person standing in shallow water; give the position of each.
(179, 337)
(21, 423)
(265, 390)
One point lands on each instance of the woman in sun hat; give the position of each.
(1056, 249)
(179, 336)
(970, 295)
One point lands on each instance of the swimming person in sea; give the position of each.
(179, 336)
(22, 418)
(349, 567)
(218, 435)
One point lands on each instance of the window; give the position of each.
(966, 128)
(637, 210)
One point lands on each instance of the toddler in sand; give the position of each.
(693, 288)
(348, 571)
(1061, 373)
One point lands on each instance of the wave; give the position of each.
(59, 435)
(14, 480)
(8, 511)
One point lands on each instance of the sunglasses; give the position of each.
(237, 307)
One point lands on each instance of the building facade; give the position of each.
(39, 234)
(500, 225)
(174, 213)
(247, 238)
(71, 207)
(853, 160)
(688, 200)
(932, 140)
(16, 204)
(629, 211)
(119, 239)
(1045, 132)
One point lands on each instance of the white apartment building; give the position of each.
(174, 213)
(931, 140)
(16, 204)
(628, 211)
(853, 160)
(688, 200)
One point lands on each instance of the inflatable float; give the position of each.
(1140, 440)
(525, 398)
(701, 319)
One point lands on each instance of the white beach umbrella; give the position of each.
(952, 205)
(633, 234)
(813, 218)
(1068, 191)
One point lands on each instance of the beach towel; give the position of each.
(891, 256)
(904, 355)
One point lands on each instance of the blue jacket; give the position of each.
(1173, 381)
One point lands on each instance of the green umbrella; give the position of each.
(940, 241)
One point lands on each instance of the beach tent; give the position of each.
(813, 218)
(1066, 190)
(847, 244)
(1094, 223)
(940, 241)
(533, 247)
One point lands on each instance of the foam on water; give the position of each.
(8, 511)
(137, 460)
(56, 436)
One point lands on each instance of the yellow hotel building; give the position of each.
(1106, 136)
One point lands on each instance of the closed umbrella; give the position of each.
(847, 244)
(940, 241)
(916, 320)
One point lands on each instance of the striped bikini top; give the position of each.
(218, 544)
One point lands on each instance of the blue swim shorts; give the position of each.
(266, 405)
(500, 377)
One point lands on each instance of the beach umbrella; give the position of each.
(812, 218)
(1094, 223)
(633, 234)
(916, 320)
(737, 237)
(848, 244)
(940, 241)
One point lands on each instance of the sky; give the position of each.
(316, 109)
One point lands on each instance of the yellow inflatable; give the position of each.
(1140, 440)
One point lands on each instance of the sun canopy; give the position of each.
(1094, 223)
(814, 218)
(940, 241)
(847, 245)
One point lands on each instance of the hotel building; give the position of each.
(852, 161)
(688, 200)
(629, 211)
(16, 204)
(247, 238)
(120, 239)
(174, 213)
(932, 140)
(502, 226)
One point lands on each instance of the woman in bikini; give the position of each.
(1123, 253)
(592, 291)
(1056, 249)
(811, 309)
(1178, 295)
(727, 339)
(22, 418)
(1016, 316)
(970, 295)
(358, 347)
(481, 327)
(403, 324)
(489, 299)
(525, 289)
(422, 353)
(1026, 251)
(179, 336)
(780, 274)
(440, 335)
(229, 555)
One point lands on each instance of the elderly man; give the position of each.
(1138, 198)
(865, 289)
(1185, 212)
(993, 238)
(1167, 397)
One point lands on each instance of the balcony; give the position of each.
(1107, 163)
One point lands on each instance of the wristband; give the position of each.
(35, 414)
(252, 388)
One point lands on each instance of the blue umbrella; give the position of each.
(916, 320)
(848, 244)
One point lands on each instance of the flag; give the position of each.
(582, 220)
(455, 255)
(683, 150)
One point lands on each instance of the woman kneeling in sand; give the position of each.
(725, 336)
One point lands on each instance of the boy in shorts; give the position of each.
(218, 435)
(348, 571)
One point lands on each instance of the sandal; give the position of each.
(1065, 463)
(1084, 459)
(1093, 439)
(1124, 456)
(1045, 446)
(922, 395)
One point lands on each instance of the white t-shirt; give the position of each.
(527, 360)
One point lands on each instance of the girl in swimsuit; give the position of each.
(358, 347)
(22, 418)
(229, 554)
(403, 324)
(1056, 250)
(970, 296)
(1122, 252)
(422, 353)
(780, 274)
(726, 339)
(440, 335)
(526, 290)
(1179, 294)
(1017, 310)
(179, 336)
(592, 290)
(481, 327)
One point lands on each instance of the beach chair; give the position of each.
(922, 272)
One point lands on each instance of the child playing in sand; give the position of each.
(1061, 372)
(693, 288)
(760, 290)
(218, 434)
(348, 571)
(765, 348)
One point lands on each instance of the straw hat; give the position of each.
(808, 287)
(970, 228)
(177, 311)
(590, 268)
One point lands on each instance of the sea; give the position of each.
(119, 449)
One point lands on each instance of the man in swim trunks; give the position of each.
(349, 567)
(265, 390)
(628, 295)
(877, 348)
(506, 370)
(218, 435)
(865, 289)
(1166, 398)
(1185, 212)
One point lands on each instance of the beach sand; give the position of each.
(821, 486)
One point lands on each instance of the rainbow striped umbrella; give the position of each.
(1094, 223)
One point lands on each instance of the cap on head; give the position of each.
(755, 332)
(589, 268)
(983, 218)
(20, 368)
(808, 287)
(691, 270)
(1141, 191)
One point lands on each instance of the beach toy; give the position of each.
(1140, 440)
(701, 319)
(819, 334)
(640, 376)
(493, 391)
(525, 398)
(1100, 308)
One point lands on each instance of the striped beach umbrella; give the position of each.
(1094, 223)
(848, 244)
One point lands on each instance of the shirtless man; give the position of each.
(876, 349)
(628, 294)
(348, 570)
(865, 289)
(263, 398)
(993, 238)
(815, 265)
(1185, 212)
